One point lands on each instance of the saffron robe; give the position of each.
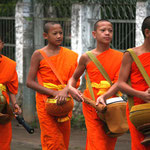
(55, 135)
(138, 83)
(8, 77)
(96, 137)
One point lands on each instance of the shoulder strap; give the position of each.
(130, 98)
(90, 87)
(52, 67)
(140, 66)
(99, 66)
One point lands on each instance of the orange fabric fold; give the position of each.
(8, 77)
(54, 135)
(138, 83)
(96, 137)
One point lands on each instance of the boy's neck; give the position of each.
(102, 47)
(146, 45)
(53, 47)
(52, 50)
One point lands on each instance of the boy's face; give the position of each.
(104, 32)
(54, 35)
(147, 33)
(1, 45)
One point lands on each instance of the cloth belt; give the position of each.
(103, 87)
(54, 87)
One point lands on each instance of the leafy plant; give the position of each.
(78, 122)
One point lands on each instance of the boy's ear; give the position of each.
(94, 34)
(147, 33)
(45, 35)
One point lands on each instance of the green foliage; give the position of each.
(78, 122)
(7, 7)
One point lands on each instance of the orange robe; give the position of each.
(8, 77)
(54, 135)
(138, 83)
(96, 137)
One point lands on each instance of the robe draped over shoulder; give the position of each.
(54, 135)
(138, 83)
(96, 137)
(8, 77)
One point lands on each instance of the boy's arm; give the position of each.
(112, 91)
(16, 107)
(123, 79)
(31, 79)
(76, 94)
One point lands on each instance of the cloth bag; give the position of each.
(114, 118)
(6, 113)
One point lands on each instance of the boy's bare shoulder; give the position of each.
(37, 55)
(138, 50)
(84, 59)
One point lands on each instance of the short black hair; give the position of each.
(47, 25)
(100, 20)
(146, 25)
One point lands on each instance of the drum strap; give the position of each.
(141, 69)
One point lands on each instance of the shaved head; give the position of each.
(146, 25)
(101, 20)
(48, 24)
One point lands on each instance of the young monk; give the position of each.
(54, 135)
(139, 88)
(110, 60)
(8, 88)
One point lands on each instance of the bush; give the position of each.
(78, 122)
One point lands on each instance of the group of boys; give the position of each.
(55, 135)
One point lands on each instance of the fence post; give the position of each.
(82, 20)
(38, 25)
(24, 50)
(141, 12)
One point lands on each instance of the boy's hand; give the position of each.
(146, 96)
(17, 109)
(101, 99)
(62, 96)
(76, 94)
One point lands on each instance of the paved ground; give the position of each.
(24, 141)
